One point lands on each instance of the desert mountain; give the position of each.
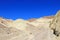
(44, 28)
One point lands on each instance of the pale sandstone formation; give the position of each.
(55, 24)
(43, 28)
(10, 33)
(30, 33)
(5, 22)
(19, 24)
(31, 20)
(41, 22)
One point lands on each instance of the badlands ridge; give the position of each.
(44, 28)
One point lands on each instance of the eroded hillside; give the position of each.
(44, 28)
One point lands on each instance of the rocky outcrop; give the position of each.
(55, 25)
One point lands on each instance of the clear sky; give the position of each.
(27, 9)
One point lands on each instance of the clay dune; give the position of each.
(44, 28)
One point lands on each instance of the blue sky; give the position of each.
(27, 9)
